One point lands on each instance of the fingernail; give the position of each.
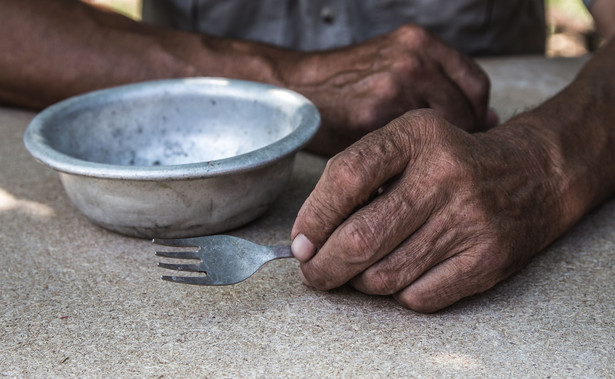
(302, 248)
(303, 279)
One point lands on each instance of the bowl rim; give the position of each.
(36, 142)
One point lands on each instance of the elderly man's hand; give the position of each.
(363, 87)
(427, 212)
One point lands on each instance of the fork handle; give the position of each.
(282, 252)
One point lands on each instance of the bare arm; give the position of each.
(55, 49)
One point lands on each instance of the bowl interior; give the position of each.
(169, 125)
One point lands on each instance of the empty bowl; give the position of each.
(174, 158)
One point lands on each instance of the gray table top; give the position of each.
(77, 300)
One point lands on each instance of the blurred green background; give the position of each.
(571, 29)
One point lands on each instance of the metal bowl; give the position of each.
(174, 158)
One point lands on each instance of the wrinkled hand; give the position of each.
(363, 87)
(427, 212)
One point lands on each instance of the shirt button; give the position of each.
(327, 15)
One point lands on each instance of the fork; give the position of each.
(224, 259)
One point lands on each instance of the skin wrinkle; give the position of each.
(522, 192)
(369, 243)
(351, 173)
(543, 189)
(369, 59)
(431, 241)
(535, 165)
(401, 270)
(600, 148)
(405, 71)
(460, 109)
(357, 157)
(345, 177)
(377, 91)
(363, 241)
(472, 81)
(256, 58)
(324, 218)
(424, 297)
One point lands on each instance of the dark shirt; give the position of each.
(476, 27)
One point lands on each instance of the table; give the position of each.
(77, 300)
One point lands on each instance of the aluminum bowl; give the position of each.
(174, 158)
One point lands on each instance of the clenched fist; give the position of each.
(363, 87)
(427, 212)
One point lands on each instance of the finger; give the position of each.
(366, 236)
(434, 242)
(468, 76)
(464, 274)
(302, 247)
(348, 181)
(492, 119)
(446, 98)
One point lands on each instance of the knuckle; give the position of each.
(425, 125)
(347, 172)
(384, 103)
(319, 282)
(417, 301)
(319, 217)
(380, 282)
(360, 239)
(452, 169)
(411, 66)
(469, 275)
(388, 88)
(368, 118)
(426, 117)
(414, 34)
(469, 265)
(489, 266)
(477, 273)
(406, 29)
(314, 277)
(476, 81)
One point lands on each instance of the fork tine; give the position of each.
(177, 242)
(178, 254)
(224, 259)
(181, 267)
(198, 280)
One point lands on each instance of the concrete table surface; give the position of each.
(77, 300)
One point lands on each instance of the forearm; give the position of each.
(61, 48)
(573, 136)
